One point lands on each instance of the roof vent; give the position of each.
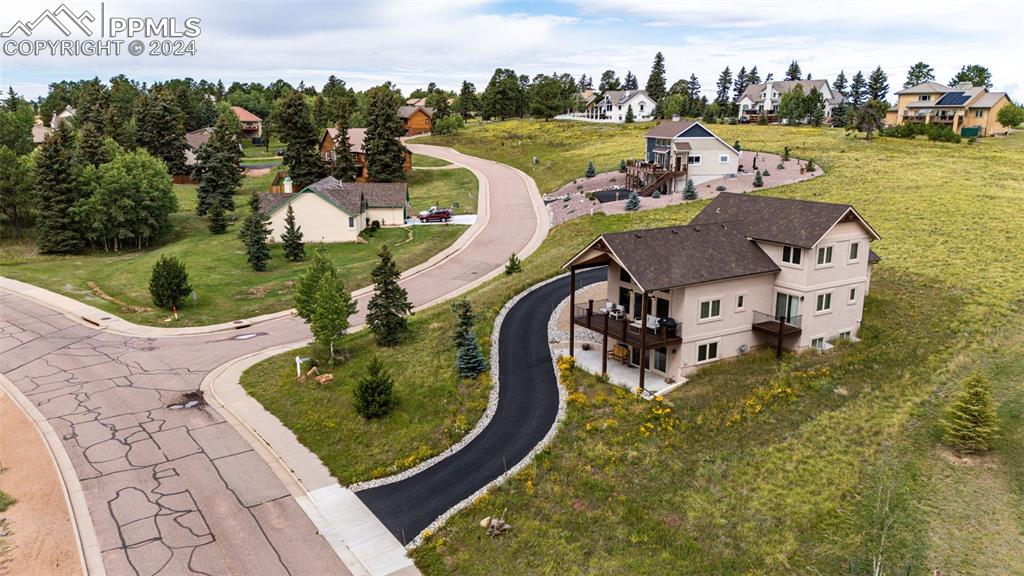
(674, 231)
(696, 228)
(638, 235)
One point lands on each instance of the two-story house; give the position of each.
(763, 99)
(416, 119)
(677, 151)
(748, 271)
(614, 105)
(967, 109)
(252, 125)
(356, 136)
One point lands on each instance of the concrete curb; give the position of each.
(89, 552)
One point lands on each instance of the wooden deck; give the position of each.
(771, 327)
(623, 331)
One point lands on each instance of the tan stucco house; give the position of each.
(332, 211)
(678, 150)
(965, 108)
(748, 271)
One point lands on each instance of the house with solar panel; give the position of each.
(677, 151)
(967, 109)
(748, 271)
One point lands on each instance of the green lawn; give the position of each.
(227, 288)
(424, 161)
(251, 151)
(757, 469)
(444, 188)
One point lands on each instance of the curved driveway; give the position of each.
(174, 490)
(527, 407)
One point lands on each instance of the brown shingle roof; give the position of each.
(669, 128)
(244, 115)
(197, 138)
(407, 111)
(665, 258)
(780, 220)
(355, 137)
(350, 197)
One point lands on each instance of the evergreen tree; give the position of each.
(976, 74)
(722, 94)
(590, 172)
(389, 305)
(12, 101)
(841, 85)
(302, 141)
(792, 105)
(254, 233)
(793, 72)
(753, 77)
(18, 201)
(868, 118)
(630, 117)
(309, 282)
(622, 165)
(839, 114)
(291, 238)
(502, 92)
(758, 180)
(609, 81)
(374, 394)
(858, 90)
(469, 359)
(467, 103)
(814, 107)
(168, 283)
(513, 266)
(919, 73)
(740, 85)
(218, 220)
(656, 81)
(345, 168)
(689, 191)
(385, 154)
(218, 167)
(58, 190)
(91, 148)
(161, 129)
(878, 85)
(630, 83)
(546, 97)
(320, 112)
(332, 308)
(585, 83)
(632, 203)
(971, 422)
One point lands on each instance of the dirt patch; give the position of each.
(257, 171)
(975, 460)
(125, 307)
(258, 291)
(40, 539)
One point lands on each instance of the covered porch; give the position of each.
(624, 375)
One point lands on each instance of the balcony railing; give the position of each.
(771, 323)
(598, 317)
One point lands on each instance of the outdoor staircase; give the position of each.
(658, 182)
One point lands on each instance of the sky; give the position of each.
(412, 43)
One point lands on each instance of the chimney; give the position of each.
(675, 117)
(288, 185)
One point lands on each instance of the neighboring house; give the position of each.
(965, 108)
(333, 211)
(764, 98)
(614, 105)
(252, 125)
(678, 150)
(39, 134)
(195, 139)
(61, 117)
(748, 271)
(416, 119)
(416, 102)
(355, 139)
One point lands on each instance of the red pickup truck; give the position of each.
(435, 214)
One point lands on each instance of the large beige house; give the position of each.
(967, 109)
(764, 98)
(677, 151)
(332, 211)
(748, 271)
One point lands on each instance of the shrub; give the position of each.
(736, 146)
(590, 172)
(765, 172)
(758, 181)
(785, 154)
(168, 284)
(762, 120)
(633, 203)
(720, 188)
(374, 394)
(810, 165)
(622, 165)
(450, 124)
(690, 191)
(971, 421)
(656, 194)
(780, 166)
(514, 266)
(218, 219)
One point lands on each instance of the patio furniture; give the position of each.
(620, 353)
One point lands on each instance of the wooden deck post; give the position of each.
(643, 339)
(572, 312)
(778, 346)
(604, 346)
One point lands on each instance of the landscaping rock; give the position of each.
(313, 372)
(324, 379)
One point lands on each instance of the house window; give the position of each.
(740, 302)
(818, 343)
(854, 251)
(625, 297)
(641, 106)
(824, 303)
(723, 159)
(925, 97)
(693, 160)
(351, 222)
(710, 309)
(979, 113)
(624, 276)
(791, 255)
(853, 295)
(707, 352)
(661, 359)
(824, 255)
(845, 335)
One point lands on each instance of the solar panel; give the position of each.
(953, 99)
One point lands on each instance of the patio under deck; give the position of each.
(623, 330)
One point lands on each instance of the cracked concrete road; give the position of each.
(177, 491)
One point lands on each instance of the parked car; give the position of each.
(435, 214)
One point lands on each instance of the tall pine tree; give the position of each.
(858, 90)
(919, 73)
(722, 94)
(254, 233)
(160, 129)
(469, 358)
(656, 82)
(793, 72)
(389, 305)
(291, 238)
(345, 168)
(385, 154)
(59, 189)
(218, 167)
(878, 85)
(302, 140)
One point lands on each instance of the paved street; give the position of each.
(172, 488)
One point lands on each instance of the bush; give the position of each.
(374, 394)
(785, 154)
(736, 146)
(450, 124)
(622, 165)
(765, 172)
(762, 120)
(758, 181)
(633, 203)
(168, 284)
(514, 266)
(656, 194)
(971, 421)
(781, 166)
(590, 172)
(810, 165)
(720, 188)
(690, 191)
